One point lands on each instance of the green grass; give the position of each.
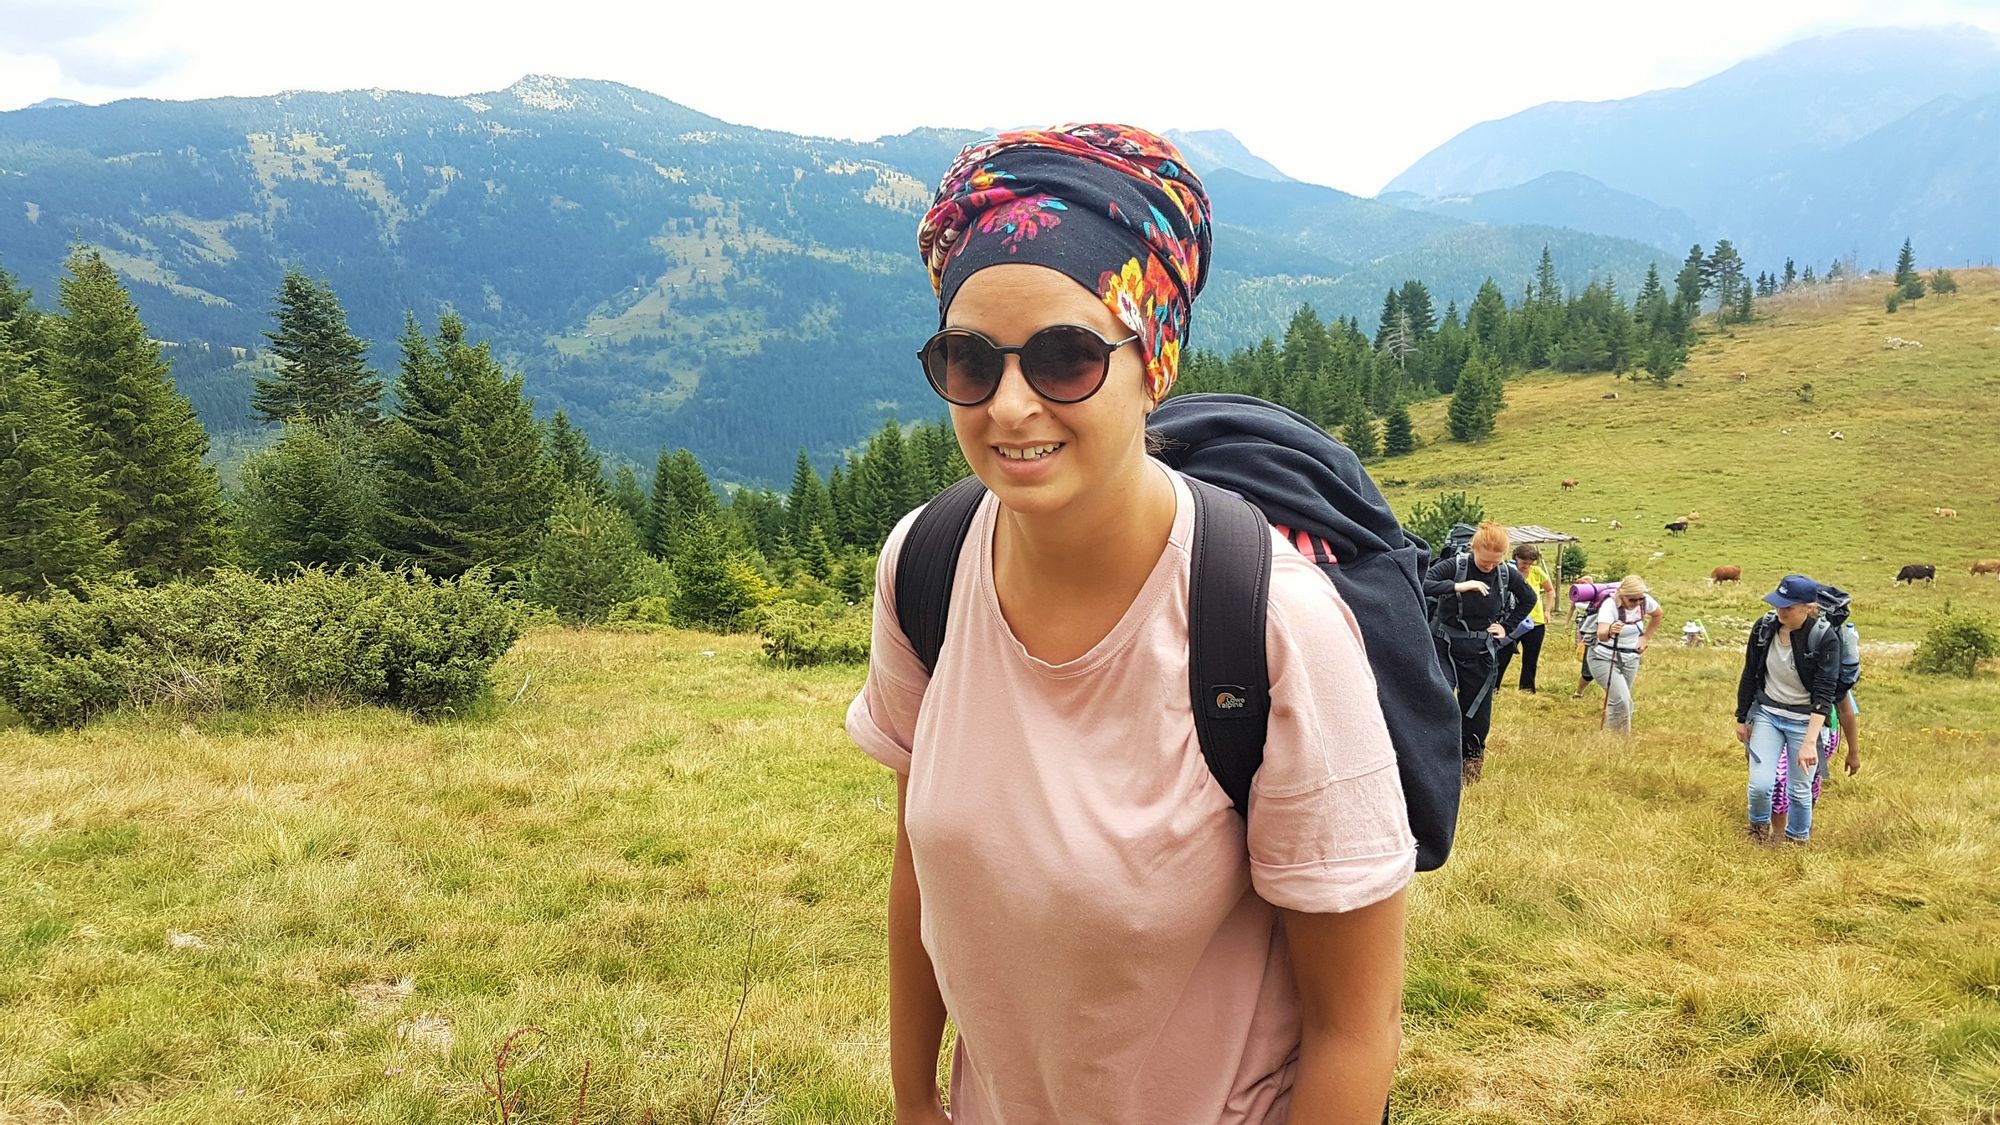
(278, 917)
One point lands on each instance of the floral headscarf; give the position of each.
(1111, 206)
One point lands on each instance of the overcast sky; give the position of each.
(1345, 98)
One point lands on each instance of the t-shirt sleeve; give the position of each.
(1607, 613)
(1328, 829)
(882, 720)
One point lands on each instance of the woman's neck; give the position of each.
(1107, 535)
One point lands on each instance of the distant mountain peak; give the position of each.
(52, 103)
(544, 91)
(1207, 150)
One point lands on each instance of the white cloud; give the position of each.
(1346, 98)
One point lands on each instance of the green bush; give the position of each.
(1434, 519)
(797, 635)
(648, 610)
(1956, 644)
(392, 638)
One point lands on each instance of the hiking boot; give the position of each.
(1468, 771)
(1760, 833)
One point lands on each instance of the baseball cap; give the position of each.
(1796, 589)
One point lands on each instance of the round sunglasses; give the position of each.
(1064, 363)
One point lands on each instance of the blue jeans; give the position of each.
(1772, 734)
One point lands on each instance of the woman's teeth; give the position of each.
(1033, 453)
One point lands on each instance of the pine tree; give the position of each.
(1791, 277)
(160, 502)
(806, 506)
(323, 368)
(1391, 319)
(1475, 401)
(588, 560)
(53, 535)
(1418, 312)
(711, 589)
(1665, 354)
(681, 490)
(19, 317)
(464, 479)
(1906, 266)
(629, 496)
(1723, 274)
(818, 554)
(572, 459)
(1692, 282)
(1488, 319)
(1943, 283)
(1358, 434)
(1548, 290)
(1399, 436)
(309, 500)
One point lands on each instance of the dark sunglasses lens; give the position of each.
(962, 367)
(1065, 363)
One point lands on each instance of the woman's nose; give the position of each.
(1014, 401)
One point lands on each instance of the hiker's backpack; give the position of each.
(1835, 608)
(1296, 478)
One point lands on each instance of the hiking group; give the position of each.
(1176, 709)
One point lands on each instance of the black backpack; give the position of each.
(1296, 477)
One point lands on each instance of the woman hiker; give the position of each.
(1481, 599)
(1625, 625)
(1071, 886)
(1528, 560)
(1791, 673)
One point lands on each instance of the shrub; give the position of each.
(1433, 519)
(392, 638)
(1956, 644)
(1895, 300)
(648, 610)
(1574, 559)
(797, 635)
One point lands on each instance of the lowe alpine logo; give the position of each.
(1229, 701)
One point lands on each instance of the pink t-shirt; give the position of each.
(1105, 937)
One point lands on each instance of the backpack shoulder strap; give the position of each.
(928, 563)
(1228, 680)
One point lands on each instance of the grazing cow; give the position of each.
(1569, 484)
(1914, 571)
(1615, 525)
(1693, 517)
(1608, 395)
(1742, 376)
(1678, 526)
(1945, 513)
(1725, 574)
(1986, 566)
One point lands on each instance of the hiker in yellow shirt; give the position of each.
(1528, 560)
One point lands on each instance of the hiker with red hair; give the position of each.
(1481, 600)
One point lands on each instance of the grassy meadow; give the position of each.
(668, 857)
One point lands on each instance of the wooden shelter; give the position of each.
(1551, 543)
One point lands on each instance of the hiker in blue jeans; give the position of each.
(1791, 670)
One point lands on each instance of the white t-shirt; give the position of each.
(1631, 623)
(1782, 684)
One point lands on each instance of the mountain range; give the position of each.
(1841, 145)
(666, 277)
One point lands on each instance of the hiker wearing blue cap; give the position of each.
(1791, 671)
